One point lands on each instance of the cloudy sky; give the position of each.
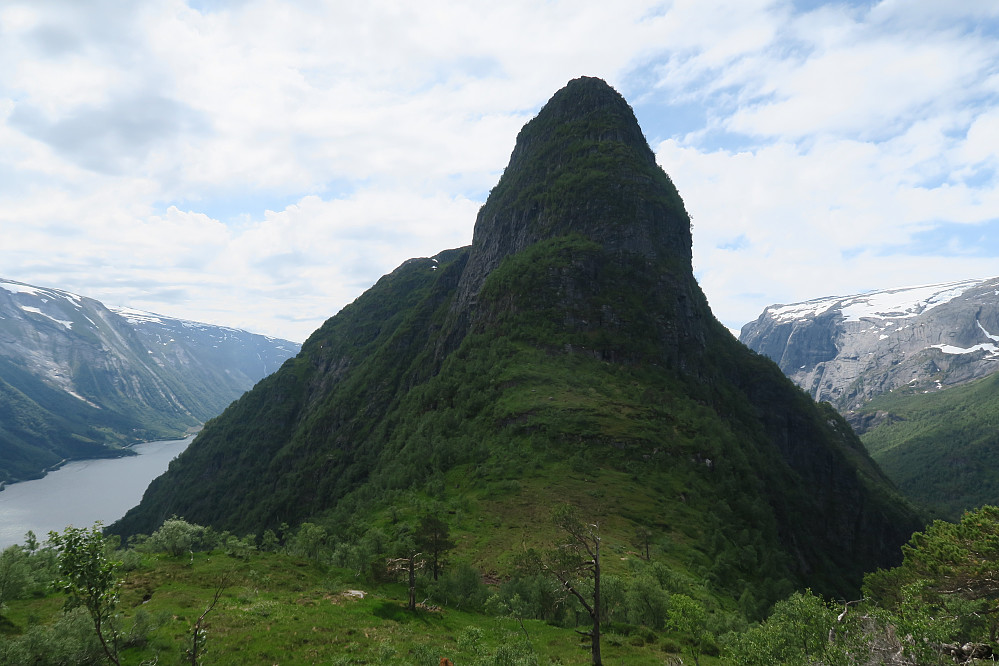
(260, 164)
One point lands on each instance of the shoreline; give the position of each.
(85, 492)
(121, 452)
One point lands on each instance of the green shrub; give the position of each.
(513, 653)
(69, 640)
(459, 587)
(176, 537)
(129, 560)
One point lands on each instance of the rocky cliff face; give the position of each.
(78, 379)
(848, 349)
(581, 166)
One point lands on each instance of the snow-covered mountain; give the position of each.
(79, 379)
(847, 349)
(239, 352)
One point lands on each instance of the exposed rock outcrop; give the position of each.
(582, 166)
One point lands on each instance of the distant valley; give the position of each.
(913, 370)
(79, 379)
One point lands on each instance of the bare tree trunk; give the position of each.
(595, 646)
(199, 624)
(112, 655)
(412, 582)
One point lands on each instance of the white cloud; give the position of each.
(259, 163)
(781, 223)
(866, 87)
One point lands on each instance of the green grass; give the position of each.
(279, 609)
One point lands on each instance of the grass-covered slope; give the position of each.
(940, 448)
(567, 355)
(511, 424)
(280, 608)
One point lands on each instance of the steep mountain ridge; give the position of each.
(581, 166)
(569, 342)
(79, 379)
(849, 349)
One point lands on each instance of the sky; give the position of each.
(261, 163)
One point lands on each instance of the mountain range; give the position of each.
(848, 349)
(567, 355)
(82, 380)
(913, 370)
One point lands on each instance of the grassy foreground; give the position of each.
(281, 609)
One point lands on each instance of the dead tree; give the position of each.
(409, 564)
(198, 631)
(575, 562)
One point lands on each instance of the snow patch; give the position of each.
(80, 397)
(133, 316)
(893, 303)
(950, 349)
(39, 292)
(994, 338)
(67, 324)
(18, 288)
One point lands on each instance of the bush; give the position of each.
(310, 541)
(142, 625)
(425, 655)
(233, 546)
(69, 640)
(15, 574)
(128, 560)
(537, 597)
(269, 542)
(470, 641)
(647, 602)
(797, 632)
(176, 536)
(460, 587)
(513, 653)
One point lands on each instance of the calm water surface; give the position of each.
(82, 492)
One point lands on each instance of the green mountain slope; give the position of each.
(941, 448)
(567, 354)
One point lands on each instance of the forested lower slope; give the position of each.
(941, 448)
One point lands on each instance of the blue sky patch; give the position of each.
(949, 239)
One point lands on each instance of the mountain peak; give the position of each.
(582, 166)
(570, 348)
(586, 108)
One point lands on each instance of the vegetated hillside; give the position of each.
(78, 380)
(898, 363)
(566, 355)
(940, 448)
